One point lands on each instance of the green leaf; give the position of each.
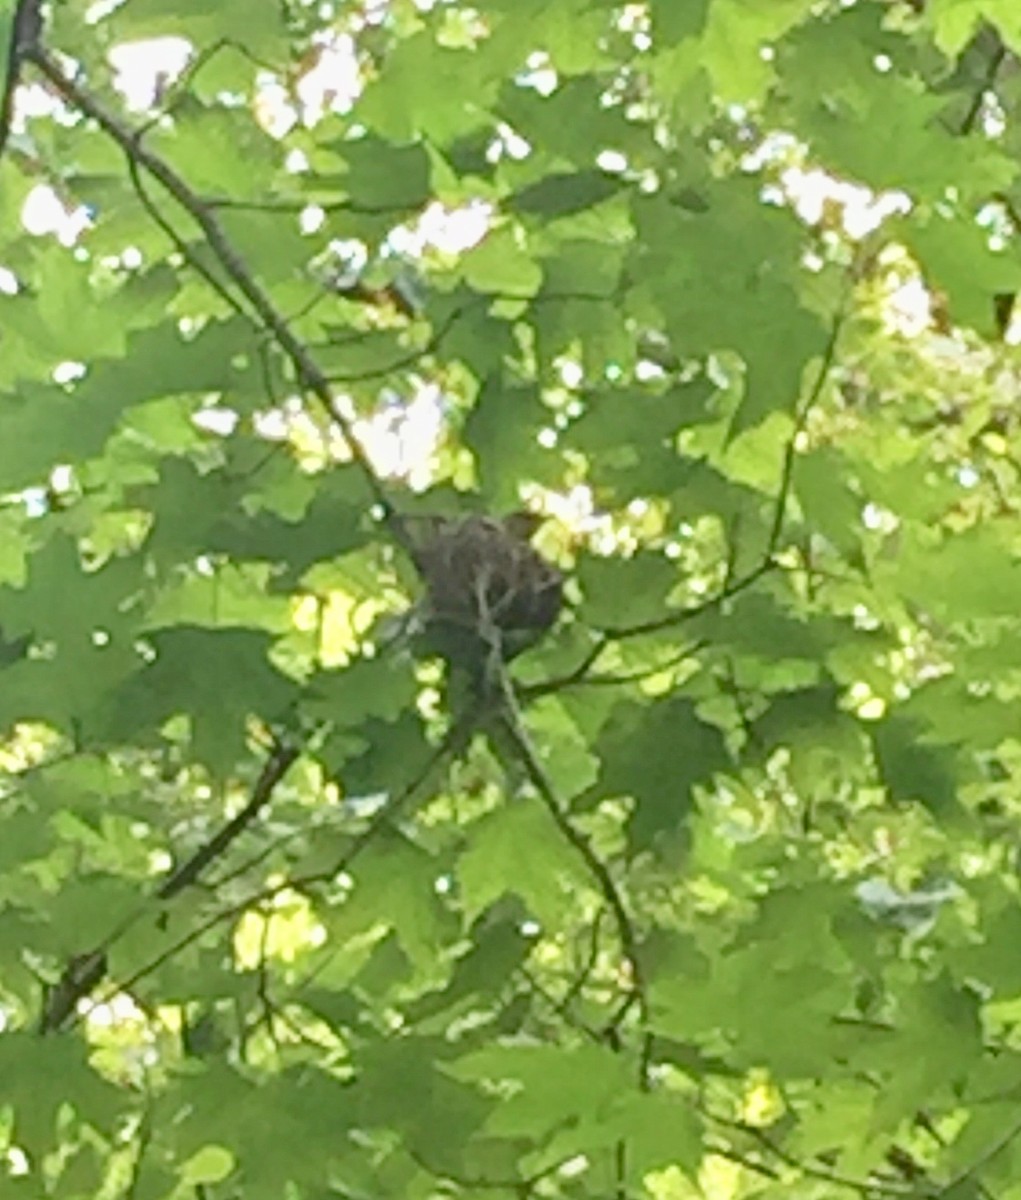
(408, 875)
(503, 431)
(43, 426)
(738, 244)
(956, 21)
(557, 195)
(914, 770)
(624, 592)
(382, 175)
(212, 1164)
(547, 1093)
(961, 259)
(414, 95)
(7, 11)
(255, 31)
(657, 753)
(777, 715)
(218, 677)
(516, 850)
(41, 1076)
(500, 265)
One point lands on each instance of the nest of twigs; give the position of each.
(486, 586)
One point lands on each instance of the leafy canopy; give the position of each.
(726, 901)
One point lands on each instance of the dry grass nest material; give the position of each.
(482, 575)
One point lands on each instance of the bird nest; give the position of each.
(486, 586)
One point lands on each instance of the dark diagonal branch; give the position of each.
(871, 1187)
(412, 357)
(609, 634)
(178, 242)
(85, 972)
(275, 768)
(25, 30)
(600, 872)
(451, 745)
(993, 1150)
(732, 587)
(308, 373)
(582, 678)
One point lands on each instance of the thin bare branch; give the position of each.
(600, 872)
(801, 415)
(730, 587)
(178, 242)
(455, 740)
(993, 1150)
(275, 768)
(307, 371)
(85, 972)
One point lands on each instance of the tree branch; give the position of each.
(178, 242)
(801, 414)
(275, 768)
(767, 563)
(993, 1150)
(308, 373)
(25, 30)
(869, 1187)
(85, 972)
(456, 738)
(543, 786)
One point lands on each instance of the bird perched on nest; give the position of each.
(487, 589)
